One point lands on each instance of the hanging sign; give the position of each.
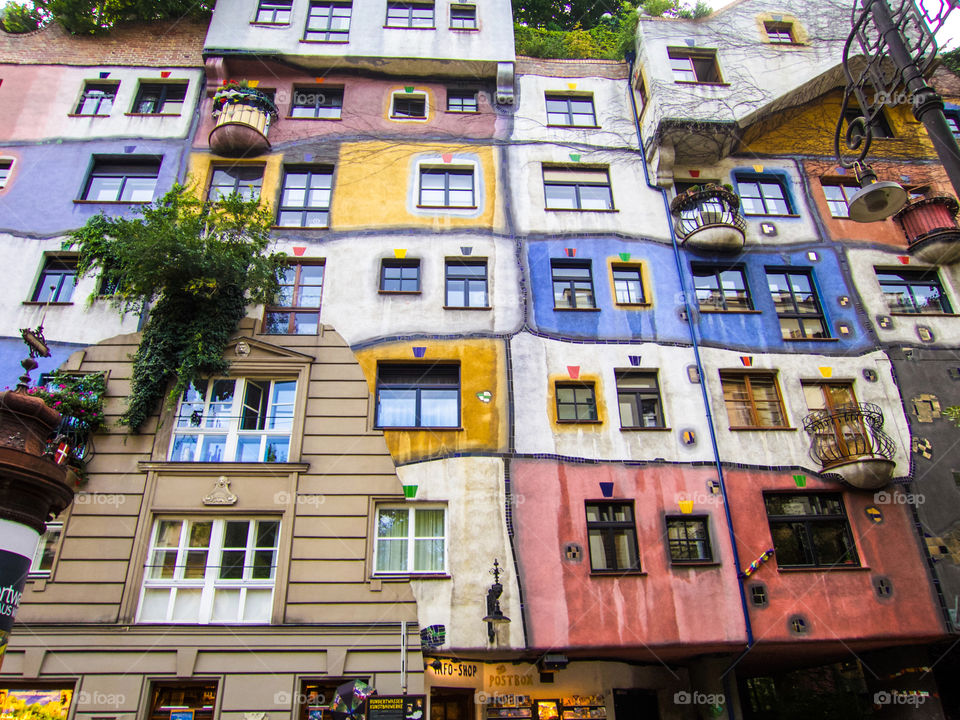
(396, 707)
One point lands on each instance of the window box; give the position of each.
(930, 226)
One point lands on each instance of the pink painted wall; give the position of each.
(366, 106)
(838, 604)
(698, 607)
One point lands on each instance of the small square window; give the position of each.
(689, 540)
(319, 102)
(409, 14)
(779, 33)
(297, 308)
(913, 291)
(577, 188)
(763, 195)
(838, 198)
(721, 289)
(122, 180)
(570, 111)
(305, 199)
(245, 180)
(43, 558)
(612, 537)
(408, 106)
(400, 276)
(638, 395)
(463, 17)
(758, 595)
(446, 188)
(694, 66)
(572, 285)
(576, 402)
(5, 168)
(57, 280)
(418, 396)
(274, 12)
(628, 285)
(462, 101)
(97, 99)
(160, 98)
(328, 21)
(466, 284)
(753, 400)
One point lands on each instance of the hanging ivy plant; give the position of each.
(194, 266)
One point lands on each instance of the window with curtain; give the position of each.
(418, 396)
(410, 540)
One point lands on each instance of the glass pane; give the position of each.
(103, 189)
(248, 448)
(305, 324)
(235, 534)
(627, 404)
(196, 564)
(262, 565)
(397, 408)
(231, 564)
(268, 532)
(213, 448)
(428, 523)
(163, 564)
(594, 197)
(139, 189)
(392, 555)
(392, 523)
(186, 606)
(428, 555)
(624, 544)
(184, 448)
(257, 605)
(788, 543)
(830, 544)
(439, 408)
(561, 196)
(277, 450)
(226, 605)
(154, 605)
(598, 553)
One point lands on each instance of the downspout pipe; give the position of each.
(631, 59)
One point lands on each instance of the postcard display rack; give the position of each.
(575, 707)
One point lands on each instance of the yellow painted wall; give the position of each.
(808, 130)
(200, 171)
(375, 181)
(482, 369)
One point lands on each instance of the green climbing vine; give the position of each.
(193, 266)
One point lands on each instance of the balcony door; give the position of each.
(845, 436)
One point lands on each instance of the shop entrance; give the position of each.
(635, 704)
(451, 703)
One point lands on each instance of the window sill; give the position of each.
(593, 309)
(270, 24)
(52, 304)
(458, 29)
(462, 112)
(447, 207)
(928, 314)
(694, 564)
(829, 339)
(697, 82)
(409, 27)
(314, 119)
(399, 292)
(461, 307)
(325, 42)
(426, 428)
(645, 429)
(611, 210)
(112, 202)
(730, 312)
(821, 568)
(579, 422)
(575, 127)
(750, 428)
(211, 468)
(617, 573)
(400, 118)
(404, 577)
(634, 305)
(298, 227)
(75, 115)
(764, 215)
(152, 114)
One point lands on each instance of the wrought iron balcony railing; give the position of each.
(849, 441)
(708, 218)
(930, 225)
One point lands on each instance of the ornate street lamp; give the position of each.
(895, 47)
(494, 616)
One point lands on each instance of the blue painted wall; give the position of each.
(12, 351)
(39, 197)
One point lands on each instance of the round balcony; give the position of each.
(930, 226)
(848, 441)
(708, 219)
(243, 117)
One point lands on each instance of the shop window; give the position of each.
(97, 99)
(305, 198)
(638, 395)
(328, 21)
(612, 537)
(577, 188)
(838, 197)
(466, 284)
(274, 12)
(753, 400)
(694, 66)
(576, 402)
(159, 98)
(689, 540)
(763, 195)
(409, 14)
(57, 280)
(408, 106)
(214, 570)
(880, 128)
(628, 285)
(810, 530)
(199, 698)
(316, 696)
(317, 102)
(462, 101)
(463, 17)
(297, 309)
(410, 540)
(418, 396)
(570, 111)
(46, 553)
(779, 33)
(797, 305)
(572, 285)
(126, 180)
(6, 167)
(917, 292)
(36, 700)
(234, 420)
(400, 276)
(245, 180)
(446, 187)
(720, 288)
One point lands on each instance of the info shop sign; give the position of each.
(491, 677)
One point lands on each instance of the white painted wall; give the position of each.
(473, 490)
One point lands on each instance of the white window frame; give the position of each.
(229, 425)
(409, 95)
(52, 537)
(209, 583)
(10, 163)
(411, 538)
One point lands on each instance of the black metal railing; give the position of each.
(848, 432)
(713, 206)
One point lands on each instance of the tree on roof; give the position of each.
(91, 16)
